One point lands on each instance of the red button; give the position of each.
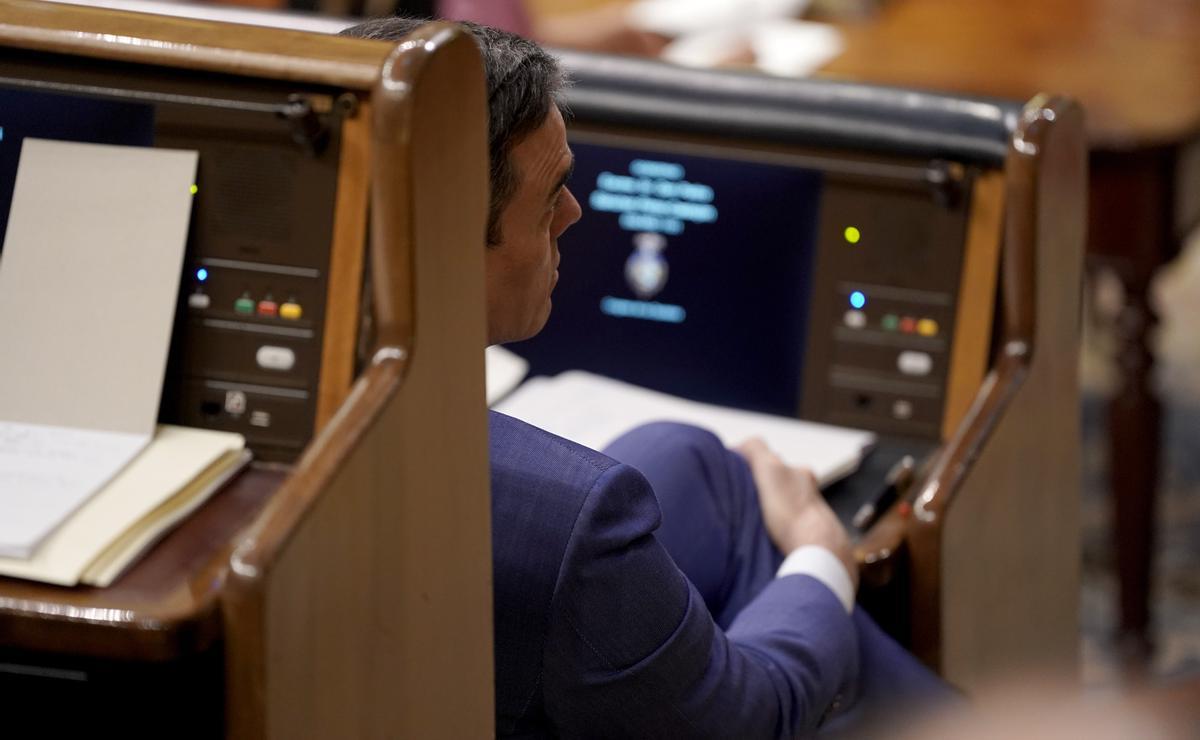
(908, 324)
(268, 308)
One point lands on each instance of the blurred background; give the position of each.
(1136, 68)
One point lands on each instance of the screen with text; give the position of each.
(686, 274)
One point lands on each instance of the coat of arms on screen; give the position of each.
(646, 269)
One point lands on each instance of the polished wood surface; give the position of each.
(165, 606)
(349, 595)
(343, 315)
(191, 44)
(990, 530)
(1134, 66)
(976, 299)
(1011, 541)
(359, 604)
(176, 606)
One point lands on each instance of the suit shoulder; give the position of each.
(521, 450)
(540, 486)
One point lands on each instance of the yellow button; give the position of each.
(927, 328)
(290, 311)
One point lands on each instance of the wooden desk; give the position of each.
(1135, 67)
(349, 593)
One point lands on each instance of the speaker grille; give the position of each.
(251, 193)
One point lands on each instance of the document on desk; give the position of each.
(172, 476)
(89, 277)
(594, 410)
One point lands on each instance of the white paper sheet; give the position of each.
(88, 281)
(47, 472)
(505, 371)
(89, 277)
(593, 411)
(162, 469)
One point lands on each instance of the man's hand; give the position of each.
(793, 510)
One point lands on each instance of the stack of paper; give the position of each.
(89, 277)
(169, 479)
(593, 411)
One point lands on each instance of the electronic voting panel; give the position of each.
(739, 264)
(251, 321)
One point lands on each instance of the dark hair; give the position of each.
(523, 81)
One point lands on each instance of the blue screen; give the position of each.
(686, 274)
(40, 115)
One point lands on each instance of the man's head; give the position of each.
(529, 164)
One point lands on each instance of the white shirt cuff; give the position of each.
(820, 563)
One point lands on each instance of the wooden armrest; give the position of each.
(361, 595)
(190, 44)
(1010, 467)
(934, 491)
(392, 255)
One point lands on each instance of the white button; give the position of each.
(235, 402)
(275, 358)
(199, 300)
(914, 363)
(902, 409)
(855, 319)
(260, 419)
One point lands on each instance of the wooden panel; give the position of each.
(343, 296)
(191, 44)
(1010, 547)
(360, 604)
(976, 299)
(433, 646)
(992, 532)
(356, 601)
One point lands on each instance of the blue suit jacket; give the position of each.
(598, 633)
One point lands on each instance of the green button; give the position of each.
(890, 322)
(244, 305)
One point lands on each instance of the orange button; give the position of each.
(927, 328)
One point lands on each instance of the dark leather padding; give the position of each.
(629, 91)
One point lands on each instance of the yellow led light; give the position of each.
(290, 311)
(194, 189)
(852, 234)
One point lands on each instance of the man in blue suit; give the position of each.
(668, 587)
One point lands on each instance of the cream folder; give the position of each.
(148, 496)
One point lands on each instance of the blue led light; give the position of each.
(858, 299)
(202, 274)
